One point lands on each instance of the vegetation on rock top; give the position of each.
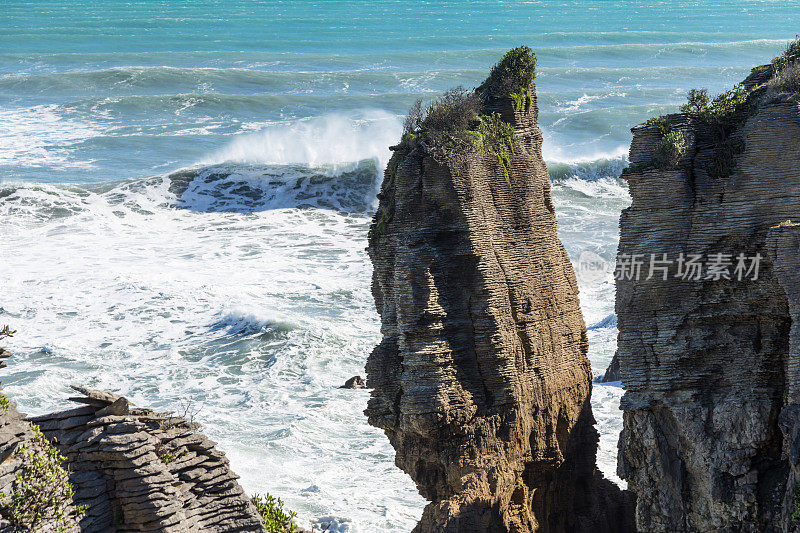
(458, 125)
(276, 519)
(723, 115)
(512, 74)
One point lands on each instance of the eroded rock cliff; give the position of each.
(710, 439)
(481, 381)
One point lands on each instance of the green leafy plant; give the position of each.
(276, 519)
(696, 101)
(671, 147)
(523, 100)
(167, 457)
(496, 136)
(7, 332)
(41, 491)
(512, 74)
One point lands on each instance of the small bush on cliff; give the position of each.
(787, 80)
(41, 491)
(276, 520)
(453, 112)
(672, 146)
(512, 74)
(453, 127)
(7, 332)
(790, 56)
(697, 101)
(796, 503)
(670, 150)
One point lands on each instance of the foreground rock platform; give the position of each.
(138, 470)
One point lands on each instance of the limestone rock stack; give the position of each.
(481, 381)
(138, 470)
(710, 439)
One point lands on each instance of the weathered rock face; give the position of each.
(138, 470)
(783, 245)
(20, 448)
(481, 381)
(709, 440)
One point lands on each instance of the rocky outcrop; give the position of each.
(612, 372)
(709, 440)
(138, 470)
(481, 381)
(34, 491)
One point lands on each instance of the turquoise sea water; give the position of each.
(98, 90)
(186, 187)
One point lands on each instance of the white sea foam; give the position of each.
(256, 316)
(42, 136)
(244, 288)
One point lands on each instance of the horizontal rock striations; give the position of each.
(138, 470)
(481, 381)
(709, 440)
(35, 494)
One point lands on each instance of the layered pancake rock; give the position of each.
(710, 409)
(481, 381)
(138, 470)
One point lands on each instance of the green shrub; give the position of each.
(512, 74)
(414, 118)
(790, 56)
(787, 80)
(496, 136)
(41, 491)
(697, 102)
(276, 520)
(523, 100)
(670, 150)
(455, 111)
(671, 147)
(7, 332)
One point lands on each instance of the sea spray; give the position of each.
(328, 141)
